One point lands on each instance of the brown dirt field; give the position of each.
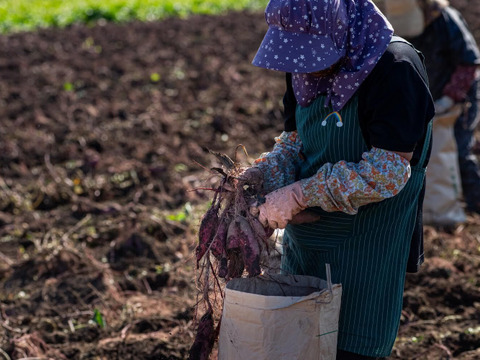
(102, 152)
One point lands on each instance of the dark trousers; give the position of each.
(345, 355)
(465, 139)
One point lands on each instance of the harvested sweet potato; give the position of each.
(205, 338)
(235, 236)
(207, 231)
(235, 265)
(262, 233)
(251, 246)
(230, 241)
(219, 243)
(223, 267)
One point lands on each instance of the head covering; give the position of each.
(405, 16)
(306, 36)
(299, 37)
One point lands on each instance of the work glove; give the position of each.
(252, 175)
(278, 168)
(443, 104)
(281, 206)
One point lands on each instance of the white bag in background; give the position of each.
(442, 204)
(274, 317)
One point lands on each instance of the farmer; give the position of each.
(354, 150)
(452, 58)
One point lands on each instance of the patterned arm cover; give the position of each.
(279, 166)
(345, 186)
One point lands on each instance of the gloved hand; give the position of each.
(281, 206)
(443, 104)
(252, 176)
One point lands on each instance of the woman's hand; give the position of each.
(281, 206)
(252, 176)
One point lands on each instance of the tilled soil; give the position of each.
(103, 167)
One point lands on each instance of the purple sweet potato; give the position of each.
(219, 242)
(223, 267)
(235, 245)
(251, 250)
(261, 233)
(235, 266)
(235, 238)
(232, 237)
(207, 231)
(205, 338)
(242, 237)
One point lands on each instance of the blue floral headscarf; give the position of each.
(307, 36)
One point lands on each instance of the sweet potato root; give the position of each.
(230, 241)
(207, 231)
(219, 242)
(251, 246)
(205, 338)
(235, 236)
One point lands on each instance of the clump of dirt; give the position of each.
(100, 145)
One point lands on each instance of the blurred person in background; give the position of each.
(452, 58)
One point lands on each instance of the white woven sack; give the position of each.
(442, 204)
(280, 317)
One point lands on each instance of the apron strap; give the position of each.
(426, 145)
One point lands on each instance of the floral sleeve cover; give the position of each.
(279, 166)
(345, 186)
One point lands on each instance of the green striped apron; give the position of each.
(367, 252)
